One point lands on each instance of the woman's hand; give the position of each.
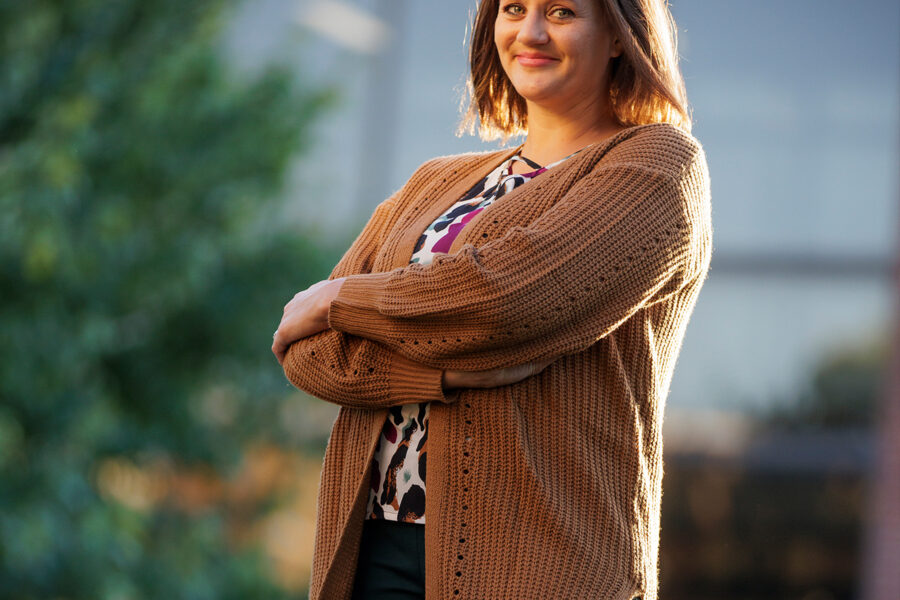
(494, 377)
(305, 314)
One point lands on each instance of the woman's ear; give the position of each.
(616, 49)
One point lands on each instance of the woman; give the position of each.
(525, 332)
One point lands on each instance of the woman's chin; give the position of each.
(540, 96)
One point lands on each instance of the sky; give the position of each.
(797, 107)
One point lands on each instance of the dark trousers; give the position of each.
(391, 564)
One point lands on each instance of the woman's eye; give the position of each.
(563, 13)
(513, 9)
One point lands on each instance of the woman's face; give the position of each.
(555, 52)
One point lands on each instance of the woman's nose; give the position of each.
(533, 29)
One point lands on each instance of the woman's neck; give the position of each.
(554, 135)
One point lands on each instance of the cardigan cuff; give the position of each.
(352, 310)
(411, 381)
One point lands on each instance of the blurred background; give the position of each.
(172, 173)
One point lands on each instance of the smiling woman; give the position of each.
(555, 76)
(512, 319)
(643, 84)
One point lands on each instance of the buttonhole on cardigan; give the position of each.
(462, 540)
(402, 341)
(459, 573)
(468, 405)
(371, 369)
(355, 371)
(459, 556)
(495, 222)
(465, 453)
(468, 422)
(466, 471)
(415, 342)
(429, 341)
(458, 340)
(484, 235)
(465, 489)
(464, 524)
(313, 353)
(455, 592)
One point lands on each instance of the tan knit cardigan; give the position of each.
(548, 488)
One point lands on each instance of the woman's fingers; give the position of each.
(280, 352)
(541, 365)
(305, 314)
(279, 347)
(493, 377)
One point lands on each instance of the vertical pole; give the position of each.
(880, 556)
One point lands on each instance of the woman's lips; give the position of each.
(534, 60)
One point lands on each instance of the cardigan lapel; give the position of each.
(444, 199)
(481, 165)
(583, 161)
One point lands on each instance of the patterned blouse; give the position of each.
(397, 486)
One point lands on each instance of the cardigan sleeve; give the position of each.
(354, 372)
(623, 237)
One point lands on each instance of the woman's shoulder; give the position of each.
(449, 166)
(660, 147)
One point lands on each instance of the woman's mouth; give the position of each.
(534, 59)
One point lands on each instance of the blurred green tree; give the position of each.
(140, 280)
(845, 387)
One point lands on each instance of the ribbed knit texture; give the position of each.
(550, 487)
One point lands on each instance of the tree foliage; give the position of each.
(845, 388)
(140, 281)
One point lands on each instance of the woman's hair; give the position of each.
(645, 82)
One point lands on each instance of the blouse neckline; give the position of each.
(507, 168)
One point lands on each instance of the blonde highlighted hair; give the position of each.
(645, 81)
